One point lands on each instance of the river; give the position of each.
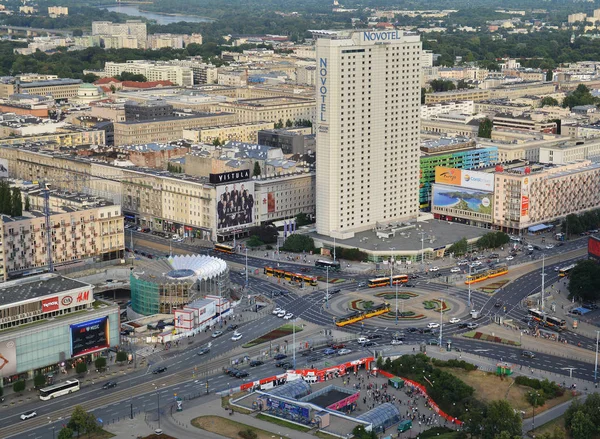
(159, 18)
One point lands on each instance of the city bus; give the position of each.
(564, 272)
(385, 281)
(59, 389)
(223, 248)
(333, 265)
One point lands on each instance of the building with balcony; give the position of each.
(93, 232)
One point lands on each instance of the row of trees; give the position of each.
(290, 124)
(584, 281)
(575, 224)
(11, 202)
(583, 419)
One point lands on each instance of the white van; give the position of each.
(362, 340)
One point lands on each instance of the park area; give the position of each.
(229, 428)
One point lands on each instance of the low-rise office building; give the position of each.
(153, 71)
(166, 129)
(571, 151)
(48, 323)
(240, 132)
(274, 109)
(291, 141)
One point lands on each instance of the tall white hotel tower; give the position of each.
(368, 106)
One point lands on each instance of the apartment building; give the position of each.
(92, 232)
(166, 129)
(473, 94)
(59, 89)
(182, 76)
(57, 11)
(285, 197)
(176, 203)
(524, 122)
(133, 28)
(464, 107)
(241, 132)
(71, 136)
(270, 109)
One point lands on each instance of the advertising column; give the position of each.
(525, 200)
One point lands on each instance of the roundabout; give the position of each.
(410, 306)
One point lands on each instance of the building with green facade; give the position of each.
(455, 152)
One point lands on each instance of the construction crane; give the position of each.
(46, 187)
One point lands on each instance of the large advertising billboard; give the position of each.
(3, 168)
(8, 358)
(235, 206)
(525, 199)
(594, 248)
(461, 200)
(461, 177)
(89, 337)
(270, 202)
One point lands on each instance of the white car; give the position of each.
(236, 336)
(288, 316)
(434, 268)
(455, 270)
(362, 340)
(281, 313)
(432, 325)
(549, 246)
(277, 311)
(29, 414)
(472, 325)
(175, 237)
(454, 320)
(510, 258)
(343, 351)
(394, 342)
(530, 248)
(475, 264)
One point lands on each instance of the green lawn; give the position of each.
(282, 423)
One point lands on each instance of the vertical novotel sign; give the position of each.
(322, 89)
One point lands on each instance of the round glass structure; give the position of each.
(165, 285)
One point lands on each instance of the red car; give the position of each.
(304, 270)
(337, 345)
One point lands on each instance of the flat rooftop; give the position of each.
(37, 286)
(437, 233)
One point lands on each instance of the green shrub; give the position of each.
(81, 368)
(39, 380)
(248, 434)
(121, 356)
(19, 386)
(100, 363)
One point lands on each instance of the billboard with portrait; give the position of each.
(89, 337)
(8, 358)
(460, 201)
(3, 168)
(235, 206)
(525, 199)
(270, 202)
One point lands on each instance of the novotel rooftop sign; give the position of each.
(383, 36)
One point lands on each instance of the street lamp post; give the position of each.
(158, 407)
(422, 251)
(246, 269)
(294, 342)
(327, 289)
(469, 286)
(441, 320)
(534, 395)
(596, 365)
(543, 278)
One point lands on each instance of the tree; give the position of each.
(257, 171)
(65, 433)
(549, 101)
(27, 203)
(298, 243)
(90, 77)
(121, 356)
(78, 420)
(81, 368)
(266, 233)
(128, 76)
(289, 123)
(254, 242)
(19, 386)
(77, 33)
(493, 240)
(580, 96)
(500, 417)
(584, 281)
(423, 93)
(216, 142)
(582, 426)
(302, 219)
(100, 363)
(279, 124)
(485, 129)
(458, 248)
(5, 198)
(39, 380)
(16, 202)
(549, 75)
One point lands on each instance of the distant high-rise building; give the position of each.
(368, 104)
